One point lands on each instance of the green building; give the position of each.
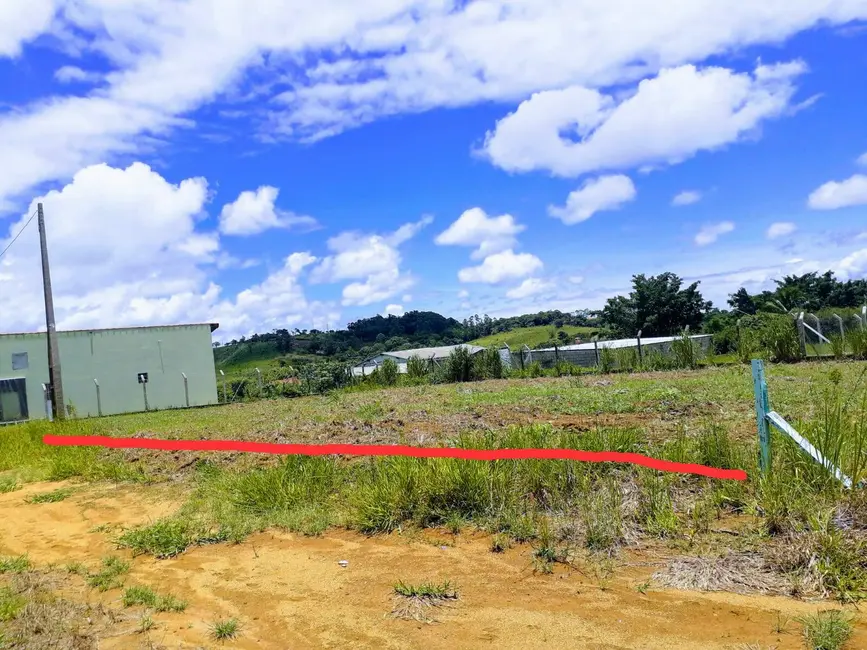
(109, 371)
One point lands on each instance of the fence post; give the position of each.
(556, 354)
(760, 389)
(596, 348)
(640, 354)
(839, 322)
(802, 336)
(46, 397)
(186, 389)
(818, 324)
(259, 378)
(863, 316)
(225, 395)
(98, 398)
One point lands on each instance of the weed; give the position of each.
(164, 538)
(146, 623)
(9, 484)
(828, 630)
(10, 604)
(432, 590)
(76, 568)
(224, 630)
(50, 497)
(781, 623)
(601, 517)
(642, 587)
(149, 598)
(500, 543)
(109, 576)
(16, 564)
(416, 367)
(656, 507)
(546, 552)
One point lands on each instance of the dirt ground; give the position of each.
(289, 591)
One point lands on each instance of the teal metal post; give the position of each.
(760, 388)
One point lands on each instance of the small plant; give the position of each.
(387, 373)
(642, 587)
(685, 352)
(108, 577)
(500, 543)
(828, 630)
(50, 497)
(146, 624)
(416, 367)
(76, 568)
(223, 630)
(429, 590)
(838, 346)
(17, 564)
(459, 365)
(607, 359)
(10, 604)
(9, 484)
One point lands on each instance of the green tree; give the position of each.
(658, 306)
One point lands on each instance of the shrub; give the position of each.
(416, 367)
(607, 360)
(685, 352)
(387, 373)
(771, 336)
(459, 365)
(488, 364)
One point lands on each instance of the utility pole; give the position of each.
(58, 405)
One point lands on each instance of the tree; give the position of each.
(742, 301)
(657, 306)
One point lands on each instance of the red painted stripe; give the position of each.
(394, 450)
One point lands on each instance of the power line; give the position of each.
(19, 234)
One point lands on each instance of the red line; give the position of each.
(394, 450)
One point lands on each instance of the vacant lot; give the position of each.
(162, 549)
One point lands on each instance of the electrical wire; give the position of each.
(18, 235)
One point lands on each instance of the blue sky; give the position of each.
(285, 167)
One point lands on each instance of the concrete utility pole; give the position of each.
(58, 405)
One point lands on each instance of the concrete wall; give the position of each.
(115, 358)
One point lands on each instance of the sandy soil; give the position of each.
(290, 592)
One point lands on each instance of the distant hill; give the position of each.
(534, 336)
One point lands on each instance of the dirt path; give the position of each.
(289, 591)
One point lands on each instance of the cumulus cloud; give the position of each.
(254, 212)
(687, 197)
(530, 287)
(498, 267)
(103, 277)
(595, 195)
(366, 60)
(69, 74)
(781, 229)
(711, 232)
(371, 261)
(393, 310)
(475, 228)
(833, 195)
(862, 160)
(668, 119)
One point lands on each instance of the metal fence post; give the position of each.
(46, 397)
(259, 378)
(802, 335)
(640, 354)
(186, 389)
(596, 348)
(98, 398)
(225, 395)
(839, 322)
(760, 390)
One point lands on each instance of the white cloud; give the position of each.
(463, 294)
(254, 212)
(529, 287)
(393, 310)
(72, 74)
(498, 267)
(372, 261)
(475, 228)
(833, 195)
(383, 57)
(104, 277)
(853, 266)
(595, 195)
(21, 21)
(711, 232)
(862, 159)
(670, 118)
(781, 229)
(687, 197)
(576, 279)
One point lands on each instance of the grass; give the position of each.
(50, 497)
(828, 630)
(225, 629)
(10, 603)
(412, 601)
(149, 598)
(533, 336)
(16, 564)
(109, 575)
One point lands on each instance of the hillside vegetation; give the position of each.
(535, 336)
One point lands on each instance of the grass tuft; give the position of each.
(109, 576)
(828, 630)
(16, 564)
(224, 630)
(50, 497)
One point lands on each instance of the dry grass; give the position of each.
(741, 573)
(415, 602)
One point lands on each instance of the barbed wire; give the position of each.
(23, 228)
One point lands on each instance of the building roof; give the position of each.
(213, 326)
(437, 353)
(626, 343)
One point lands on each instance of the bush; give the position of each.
(770, 336)
(488, 364)
(459, 365)
(685, 352)
(387, 373)
(416, 367)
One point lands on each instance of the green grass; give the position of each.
(109, 575)
(10, 604)
(224, 630)
(828, 630)
(428, 590)
(16, 564)
(533, 336)
(149, 598)
(50, 497)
